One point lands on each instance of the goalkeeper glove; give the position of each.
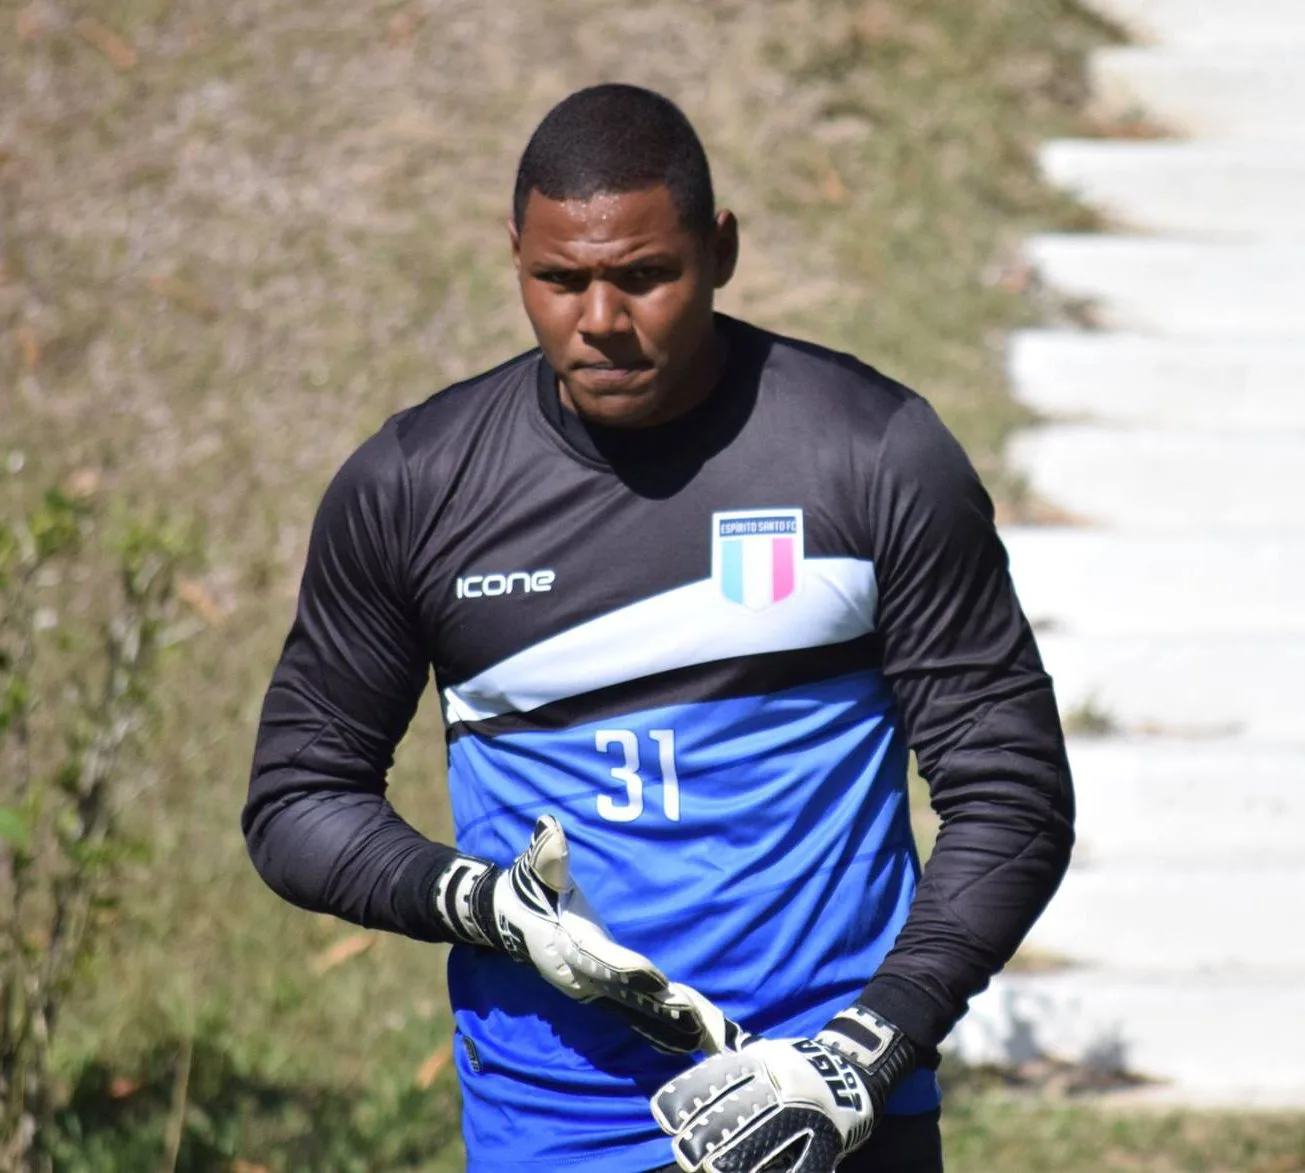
(785, 1105)
(534, 912)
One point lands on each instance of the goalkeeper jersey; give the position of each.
(705, 647)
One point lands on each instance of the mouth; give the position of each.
(612, 374)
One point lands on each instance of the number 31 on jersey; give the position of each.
(625, 742)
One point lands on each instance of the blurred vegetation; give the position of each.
(113, 1123)
(73, 713)
(234, 238)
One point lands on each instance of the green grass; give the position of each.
(989, 1133)
(223, 266)
(236, 1115)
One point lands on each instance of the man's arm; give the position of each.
(979, 712)
(317, 823)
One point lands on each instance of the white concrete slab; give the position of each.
(1180, 287)
(1181, 610)
(1162, 917)
(1233, 1040)
(1250, 190)
(1216, 803)
(1242, 91)
(1208, 384)
(1198, 685)
(1208, 22)
(1149, 478)
(1081, 581)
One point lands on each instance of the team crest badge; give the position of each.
(756, 555)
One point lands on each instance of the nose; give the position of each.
(604, 311)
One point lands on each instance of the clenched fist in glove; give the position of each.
(785, 1105)
(534, 912)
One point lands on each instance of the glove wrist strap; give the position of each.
(463, 897)
(879, 1051)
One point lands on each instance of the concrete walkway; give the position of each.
(1176, 612)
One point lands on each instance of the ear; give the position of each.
(725, 245)
(515, 237)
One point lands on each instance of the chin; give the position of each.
(619, 409)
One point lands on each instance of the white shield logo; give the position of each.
(756, 555)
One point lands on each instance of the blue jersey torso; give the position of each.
(682, 667)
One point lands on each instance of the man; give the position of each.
(690, 591)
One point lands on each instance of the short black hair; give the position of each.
(617, 138)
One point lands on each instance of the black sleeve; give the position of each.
(979, 712)
(318, 826)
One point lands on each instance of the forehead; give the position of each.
(606, 222)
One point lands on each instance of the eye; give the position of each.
(563, 279)
(646, 276)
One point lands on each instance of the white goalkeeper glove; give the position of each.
(785, 1105)
(534, 912)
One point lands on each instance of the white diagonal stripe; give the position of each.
(689, 625)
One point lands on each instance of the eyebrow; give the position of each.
(648, 261)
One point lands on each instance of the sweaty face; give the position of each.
(619, 293)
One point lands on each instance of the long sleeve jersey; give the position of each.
(706, 647)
